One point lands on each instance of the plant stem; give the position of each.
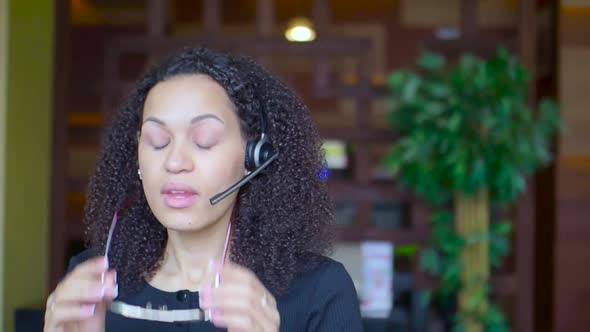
(472, 222)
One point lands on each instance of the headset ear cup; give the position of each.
(250, 163)
(265, 151)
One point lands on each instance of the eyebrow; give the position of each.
(196, 119)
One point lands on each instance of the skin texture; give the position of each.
(189, 129)
(187, 123)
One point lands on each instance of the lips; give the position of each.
(178, 196)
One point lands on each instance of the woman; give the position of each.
(195, 125)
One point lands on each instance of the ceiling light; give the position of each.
(300, 29)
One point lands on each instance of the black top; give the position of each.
(323, 299)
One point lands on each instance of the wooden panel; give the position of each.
(344, 68)
(574, 306)
(81, 160)
(61, 96)
(572, 275)
(436, 13)
(574, 87)
(573, 253)
(575, 3)
(497, 13)
(430, 13)
(572, 311)
(574, 29)
(379, 113)
(341, 116)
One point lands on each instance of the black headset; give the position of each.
(259, 154)
(259, 150)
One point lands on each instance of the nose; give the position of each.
(179, 159)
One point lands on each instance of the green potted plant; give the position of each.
(468, 140)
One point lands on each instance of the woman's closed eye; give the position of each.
(160, 146)
(207, 133)
(205, 143)
(206, 139)
(157, 140)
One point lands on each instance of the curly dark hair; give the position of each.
(283, 219)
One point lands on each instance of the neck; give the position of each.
(188, 256)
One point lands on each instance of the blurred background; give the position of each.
(64, 65)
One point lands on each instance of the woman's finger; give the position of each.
(84, 290)
(241, 306)
(81, 295)
(236, 296)
(241, 302)
(235, 321)
(64, 313)
(233, 273)
(92, 268)
(235, 276)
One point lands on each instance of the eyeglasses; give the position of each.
(162, 314)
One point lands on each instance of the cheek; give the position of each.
(142, 152)
(224, 168)
(213, 170)
(146, 160)
(149, 166)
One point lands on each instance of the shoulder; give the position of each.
(328, 297)
(328, 279)
(327, 275)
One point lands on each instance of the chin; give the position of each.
(184, 220)
(185, 228)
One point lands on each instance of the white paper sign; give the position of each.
(377, 294)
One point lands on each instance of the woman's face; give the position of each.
(190, 148)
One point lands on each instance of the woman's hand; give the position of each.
(241, 302)
(79, 301)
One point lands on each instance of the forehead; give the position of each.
(186, 96)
